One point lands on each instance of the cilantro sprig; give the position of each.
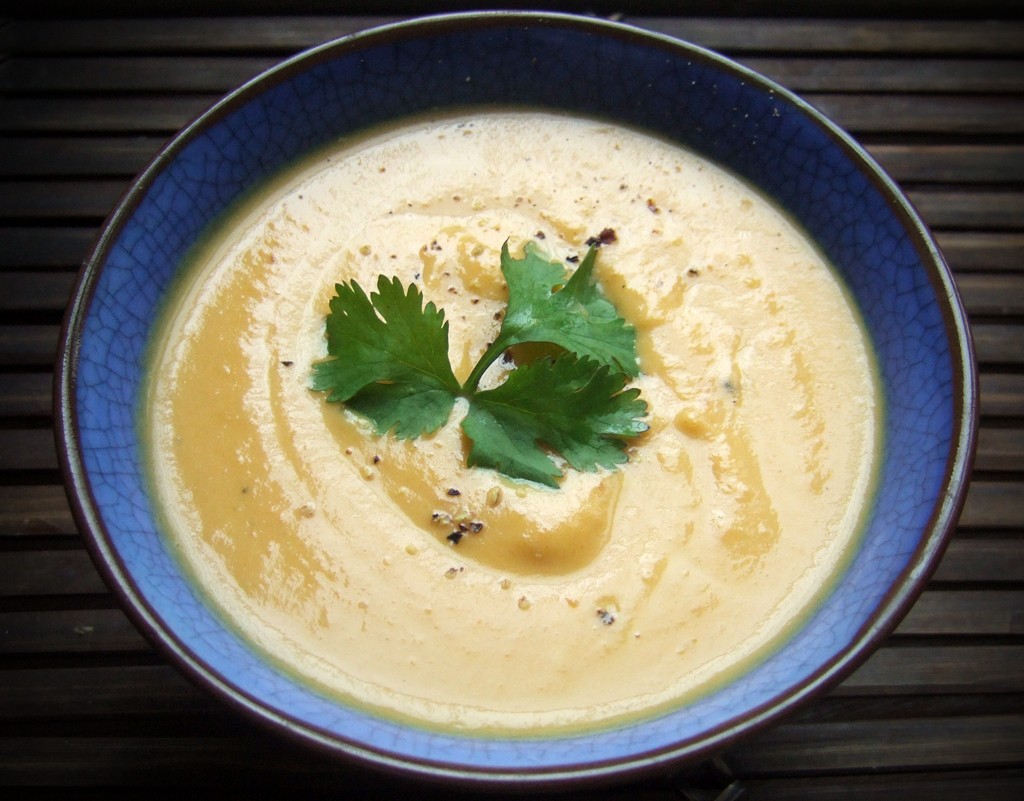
(576, 317)
(388, 361)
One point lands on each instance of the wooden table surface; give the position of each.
(937, 713)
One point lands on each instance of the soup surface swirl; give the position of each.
(619, 593)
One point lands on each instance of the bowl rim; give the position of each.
(900, 596)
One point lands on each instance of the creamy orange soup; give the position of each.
(619, 593)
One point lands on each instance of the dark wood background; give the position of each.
(934, 90)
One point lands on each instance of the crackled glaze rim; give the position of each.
(899, 599)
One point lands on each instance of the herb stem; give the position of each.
(490, 355)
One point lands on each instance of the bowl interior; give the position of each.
(598, 69)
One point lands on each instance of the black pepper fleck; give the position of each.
(454, 537)
(453, 492)
(606, 237)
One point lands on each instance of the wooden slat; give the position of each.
(43, 509)
(860, 114)
(61, 247)
(82, 693)
(62, 157)
(32, 510)
(982, 560)
(983, 294)
(22, 345)
(62, 200)
(42, 247)
(251, 760)
(151, 690)
(68, 572)
(26, 395)
(993, 294)
(27, 449)
(995, 343)
(69, 631)
(94, 199)
(141, 115)
(969, 209)
(925, 36)
(966, 613)
(969, 613)
(1000, 449)
(950, 164)
(201, 73)
(58, 156)
(874, 745)
(998, 343)
(1002, 394)
(945, 76)
(287, 34)
(71, 571)
(54, 572)
(130, 74)
(35, 291)
(905, 113)
(905, 670)
(939, 785)
(54, 156)
(180, 36)
(993, 505)
(972, 250)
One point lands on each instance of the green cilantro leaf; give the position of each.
(388, 361)
(575, 406)
(576, 317)
(389, 358)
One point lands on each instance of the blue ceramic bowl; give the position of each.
(726, 112)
